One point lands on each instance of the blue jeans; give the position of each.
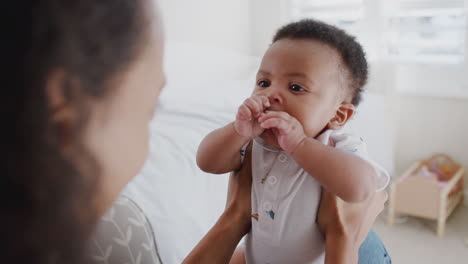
(373, 251)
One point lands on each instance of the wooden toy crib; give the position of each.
(433, 196)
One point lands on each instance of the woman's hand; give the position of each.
(239, 192)
(346, 225)
(219, 244)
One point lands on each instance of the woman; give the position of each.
(82, 82)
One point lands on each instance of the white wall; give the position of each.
(242, 25)
(267, 17)
(428, 125)
(224, 23)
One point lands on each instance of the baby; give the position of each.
(308, 86)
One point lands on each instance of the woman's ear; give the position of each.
(343, 114)
(62, 114)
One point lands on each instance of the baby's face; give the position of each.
(302, 78)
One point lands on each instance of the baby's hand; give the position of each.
(246, 123)
(287, 129)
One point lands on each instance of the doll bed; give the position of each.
(427, 192)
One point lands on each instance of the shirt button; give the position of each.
(267, 206)
(282, 158)
(272, 180)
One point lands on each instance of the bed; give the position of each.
(204, 88)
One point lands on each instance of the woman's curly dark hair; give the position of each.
(348, 48)
(48, 208)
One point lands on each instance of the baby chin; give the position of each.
(270, 138)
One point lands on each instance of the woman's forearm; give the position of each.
(339, 250)
(346, 225)
(219, 244)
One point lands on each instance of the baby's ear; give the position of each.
(343, 114)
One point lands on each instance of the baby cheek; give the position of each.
(313, 126)
(310, 130)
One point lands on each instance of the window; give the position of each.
(354, 16)
(427, 41)
(345, 14)
(413, 46)
(430, 31)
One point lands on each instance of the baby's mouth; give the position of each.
(268, 109)
(269, 137)
(269, 131)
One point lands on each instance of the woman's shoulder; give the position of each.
(123, 234)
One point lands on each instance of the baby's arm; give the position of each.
(218, 152)
(348, 176)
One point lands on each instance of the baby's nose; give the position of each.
(273, 95)
(274, 99)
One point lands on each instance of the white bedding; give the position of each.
(202, 94)
(180, 201)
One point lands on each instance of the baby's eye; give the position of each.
(296, 88)
(263, 83)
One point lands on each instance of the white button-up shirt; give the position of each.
(285, 201)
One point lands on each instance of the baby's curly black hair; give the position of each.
(350, 51)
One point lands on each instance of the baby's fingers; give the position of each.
(255, 106)
(277, 123)
(275, 114)
(244, 113)
(264, 101)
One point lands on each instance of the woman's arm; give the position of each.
(221, 241)
(346, 225)
(339, 250)
(219, 244)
